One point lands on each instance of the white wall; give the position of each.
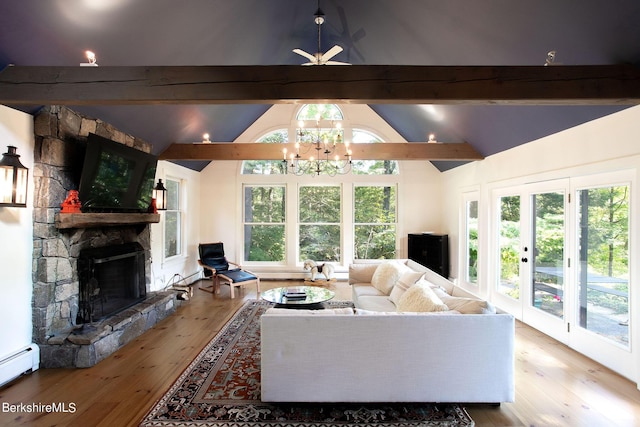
(16, 241)
(185, 265)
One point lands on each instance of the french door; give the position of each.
(531, 265)
(561, 252)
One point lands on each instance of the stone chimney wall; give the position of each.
(60, 141)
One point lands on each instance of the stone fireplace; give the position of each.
(72, 331)
(112, 279)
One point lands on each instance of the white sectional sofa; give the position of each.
(374, 353)
(367, 296)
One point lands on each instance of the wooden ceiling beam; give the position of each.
(365, 84)
(263, 151)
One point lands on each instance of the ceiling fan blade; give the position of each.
(336, 63)
(331, 53)
(310, 57)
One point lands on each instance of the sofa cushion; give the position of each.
(365, 289)
(386, 276)
(408, 279)
(463, 304)
(373, 303)
(420, 297)
(361, 273)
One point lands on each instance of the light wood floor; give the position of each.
(555, 386)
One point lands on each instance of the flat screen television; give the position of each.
(115, 178)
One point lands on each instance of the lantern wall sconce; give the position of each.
(13, 180)
(160, 196)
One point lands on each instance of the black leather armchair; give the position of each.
(222, 271)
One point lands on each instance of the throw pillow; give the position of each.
(408, 279)
(420, 297)
(361, 273)
(465, 305)
(386, 276)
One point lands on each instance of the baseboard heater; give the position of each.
(24, 361)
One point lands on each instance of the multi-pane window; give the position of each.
(173, 220)
(319, 223)
(321, 230)
(375, 217)
(264, 222)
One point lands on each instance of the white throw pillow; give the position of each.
(386, 276)
(408, 279)
(420, 297)
(465, 305)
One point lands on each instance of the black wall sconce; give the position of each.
(13, 180)
(160, 195)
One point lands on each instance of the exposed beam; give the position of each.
(367, 84)
(379, 151)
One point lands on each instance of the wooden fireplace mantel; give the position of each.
(90, 220)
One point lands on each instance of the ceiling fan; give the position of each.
(321, 58)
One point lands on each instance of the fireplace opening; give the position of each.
(111, 279)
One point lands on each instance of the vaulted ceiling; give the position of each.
(372, 32)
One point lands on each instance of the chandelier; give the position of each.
(319, 152)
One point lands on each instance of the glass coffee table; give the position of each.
(298, 296)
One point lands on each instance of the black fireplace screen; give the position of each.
(112, 278)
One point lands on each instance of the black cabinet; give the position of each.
(430, 250)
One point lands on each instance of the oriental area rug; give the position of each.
(221, 388)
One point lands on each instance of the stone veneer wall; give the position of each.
(60, 140)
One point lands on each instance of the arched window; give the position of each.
(308, 132)
(267, 167)
(371, 167)
(320, 112)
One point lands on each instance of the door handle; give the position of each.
(524, 259)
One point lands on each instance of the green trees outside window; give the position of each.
(603, 271)
(375, 222)
(510, 246)
(319, 223)
(264, 223)
(472, 241)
